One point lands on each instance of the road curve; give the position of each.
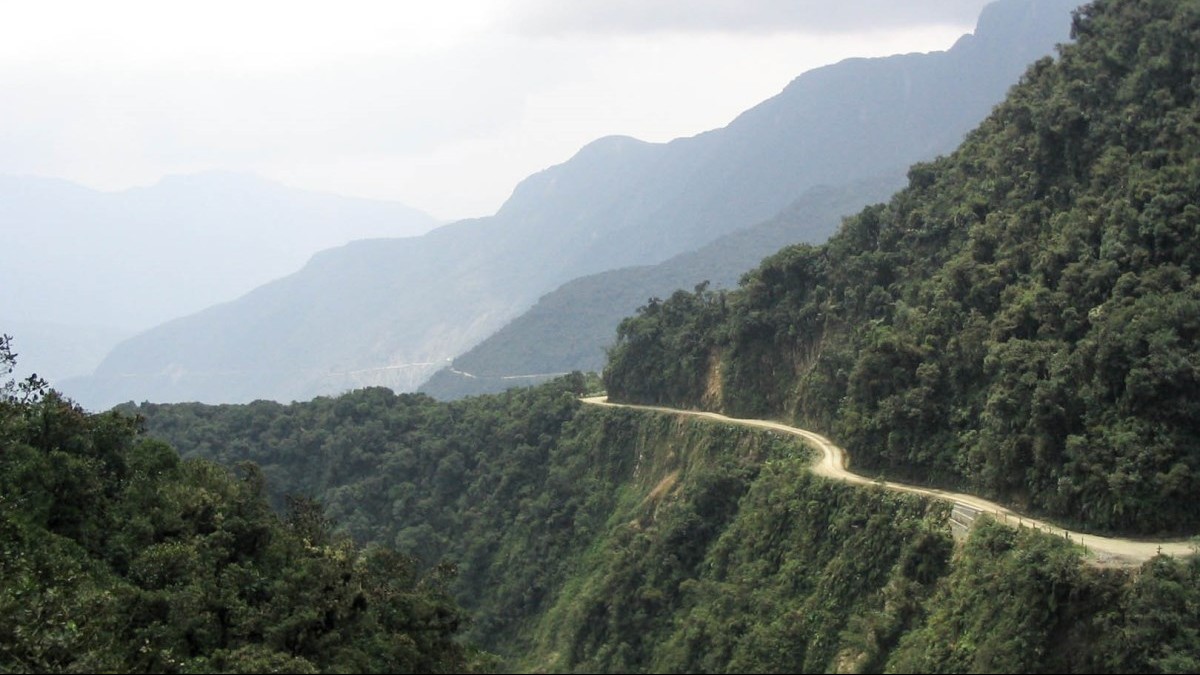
(1103, 550)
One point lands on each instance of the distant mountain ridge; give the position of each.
(128, 260)
(392, 312)
(150, 254)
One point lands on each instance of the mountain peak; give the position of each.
(611, 145)
(613, 160)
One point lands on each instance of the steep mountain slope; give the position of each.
(1022, 320)
(392, 312)
(570, 328)
(126, 261)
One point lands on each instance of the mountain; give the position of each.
(392, 312)
(1022, 321)
(570, 328)
(132, 259)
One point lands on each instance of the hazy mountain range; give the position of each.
(392, 312)
(89, 268)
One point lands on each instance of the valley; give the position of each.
(898, 371)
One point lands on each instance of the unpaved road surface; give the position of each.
(1101, 550)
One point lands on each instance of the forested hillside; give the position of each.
(1021, 320)
(118, 556)
(602, 540)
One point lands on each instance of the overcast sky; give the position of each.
(442, 105)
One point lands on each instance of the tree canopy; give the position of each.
(1022, 320)
(118, 555)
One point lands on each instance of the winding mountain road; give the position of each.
(1101, 550)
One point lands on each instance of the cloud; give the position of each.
(442, 105)
(555, 17)
(235, 35)
(110, 127)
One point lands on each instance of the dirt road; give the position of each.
(1102, 550)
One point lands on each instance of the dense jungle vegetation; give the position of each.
(1022, 321)
(601, 540)
(116, 555)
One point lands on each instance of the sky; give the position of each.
(444, 106)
